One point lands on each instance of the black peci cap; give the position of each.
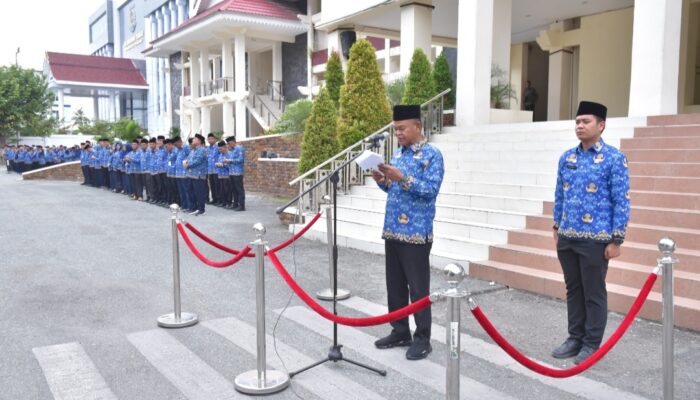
(591, 108)
(230, 139)
(404, 112)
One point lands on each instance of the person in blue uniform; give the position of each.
(84, 163)
(196, 165)
(236, 163)
(10, 159)
(133, 162)
(222, 171)
(591, 212)
(180, 178)
(161, 178)
(412, 182)
(212, 155)
(171, 193)
(146, 166)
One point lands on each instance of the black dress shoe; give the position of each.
(586, 351)
(419, 350)
(393, 340)
(239, 208)
(569, 348)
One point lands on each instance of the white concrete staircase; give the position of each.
(495, 176)
(268, 114)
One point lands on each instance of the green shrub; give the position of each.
(442, 76)
(320, 141)
(419, 86)
(364, 107)
(293, 118)
(126, 129)
(395, 91)
(334, 78)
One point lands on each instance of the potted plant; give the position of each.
(501, 93)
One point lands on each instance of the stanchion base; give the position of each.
(327, 294)
(170, 321)
(248, 382)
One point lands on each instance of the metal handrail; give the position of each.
(270, 114)
(431, 119)
(359, 142)
(276, 86)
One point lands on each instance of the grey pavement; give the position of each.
(84, 274)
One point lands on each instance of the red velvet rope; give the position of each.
(214, 243)
(202, 258)
(229, 250)
(368, 321)
(590, 361)
(297, 235)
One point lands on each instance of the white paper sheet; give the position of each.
(369, 160)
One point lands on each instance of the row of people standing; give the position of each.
(169, 171)
(25, 158)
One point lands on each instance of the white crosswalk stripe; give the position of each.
(71, 374)
(321, 381)
(578, 385)
(185, 370)
(425, 372)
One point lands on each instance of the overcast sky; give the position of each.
(44, 25)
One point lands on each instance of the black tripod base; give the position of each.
(335, 355)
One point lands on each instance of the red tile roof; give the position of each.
(263, 8)
(95, 70)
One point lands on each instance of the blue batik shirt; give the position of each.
(236, 165)
(171, 157)
(182, 154)
(410, 204)
(197, 163)
(591, 200)
(145, 160)
(223, 170)
(212, 155)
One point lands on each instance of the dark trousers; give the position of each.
(225, 190)
(238, 190)
(182, 184)
(199, 187)
(163, 194)
(214, 187)
(86, 174)
(148, 183)
(138, 185)
(126, 183)
(11, 166)
(99, 177)
(408, 274)
(585, 268)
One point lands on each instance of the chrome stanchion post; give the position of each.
(667, 262)
(454, 275)
(261, 380)
(327, 294)
(177, 319)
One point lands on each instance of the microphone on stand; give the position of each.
(377, 137)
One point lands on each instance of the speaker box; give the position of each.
(347, 39)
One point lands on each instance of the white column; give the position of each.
(161, 85)
(168, 123)
(655, 57)
(227, 72)
(61, 104)
(206, 120)
(181, 11)
(416, 32)
(502, 10)
(117, 106)
(277, 61)
(96, 106)
(173, 15)
(166, 18)
(559, 88)
(240, 78)
(205, 69)
(474, 62)
(387, 58)
(194, 82)
(217, 67)
(110, 107)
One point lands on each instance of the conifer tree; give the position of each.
(364, 107)
(334, 78)
(320, 141)
(420, 86)
(442, 76)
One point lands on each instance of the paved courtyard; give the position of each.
(84, 274)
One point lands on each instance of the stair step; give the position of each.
(687, 284)
(660, 143)
(690, 170)
(688, 238)
(632, 252)
(679, 119)
(620, 298)
(665, 184)
(469, 200)
(685, 201)
(664, 155)
(660, 216)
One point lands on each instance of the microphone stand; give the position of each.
(334, 354)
